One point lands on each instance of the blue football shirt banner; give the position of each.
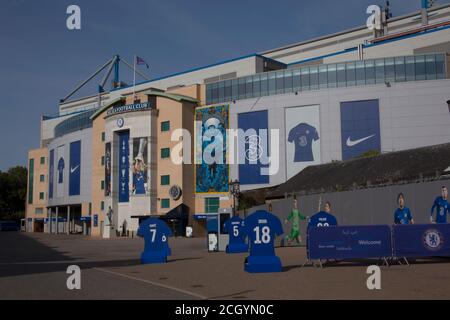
(360, 128)
(302, 138)
(51, 173)
(124, 152)
(156, 234)
(322, 219)
(261, 228)
(75, 168)
(236, 236)
(255, 147)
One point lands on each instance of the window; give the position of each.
(241, 89)
(103, 136)
(165, 126)
(314, 78)
(41, 178)
(103, 160)
(42, 160)
(280, 81)
(400, 69)
(102, 184)
(360, 73)
(256, 86)
(370, 71)
(379, 70)
(430, 63)
(420, 68)
(272, 85)
(440, 66)
(249, 87)
(296, 82)
(41, 195)
(39, 210)
(341, 75)
(227, 96)
(165, 180)
(102, 205)
(264, 90)
(221, 91)
(212, 205)
(288, 81)
(305, 78)
(165, 203)
(332, 76)
(234, 89)
(410, 69)
(323, 77)
(389, 69)
(350, 73)
(165, 153)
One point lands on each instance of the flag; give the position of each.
(140, 61)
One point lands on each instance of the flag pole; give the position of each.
(134, 77)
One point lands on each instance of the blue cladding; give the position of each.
(360, 128)
(250, 172)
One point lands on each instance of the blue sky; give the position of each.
(41, 61)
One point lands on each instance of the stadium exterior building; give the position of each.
(104, 161)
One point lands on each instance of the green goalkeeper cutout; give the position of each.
(295, 216)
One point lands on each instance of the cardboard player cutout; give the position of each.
(155, 233)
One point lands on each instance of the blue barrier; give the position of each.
(421, 240)
(349, 242)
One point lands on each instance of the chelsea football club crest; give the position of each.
(433, 240)
(120, 122)
(175, 192)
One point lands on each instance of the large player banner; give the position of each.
(255, 145)
(210, 136)
(51, 173)
(124, 152)
(140, 165)
(302, 138)
(61, 165)
(108, 169)
(360, 128)
(75, 168)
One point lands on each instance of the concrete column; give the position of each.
(68, 220)
(56, 219)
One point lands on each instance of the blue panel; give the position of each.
(124, 152)
(255, 147)
(360, 128)
(75, 168)
(51, 173)
(349, 242)
(426, 240)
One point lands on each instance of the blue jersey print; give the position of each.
(155, 233)
(442, 208)
(234, 228)
(322, 219)
(402, 216)
(262, 228)
(302, 136)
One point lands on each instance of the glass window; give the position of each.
(102, 160)
(41, 195)
(296, 82)
(212, 205)
(314, 78)
(370, 71)
(102, 205)
(165, 180)
(215, 92)
(410, 68)
(39, 210)
(221, 92)
(305, 78)
(350, 73)
(331, 76)
(272, 85)
(256, 86)
(103, 136)
(241, 93)
(288, 81)
(42, 160)
(440, 66)
(389, 69)
(208, 93)
(234, 89)
(264, 91)
(165, 126)
(341, 78)
(420, 68)
(227, 94)
(165, 203)
(42, 178)
(165, 153)
(400, 69)
(280, 82)
(323, 77)
(249, 87)
(430, 66)
(102, 184)
(379, 70)
(360, 73)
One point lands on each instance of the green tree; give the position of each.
(13, 190)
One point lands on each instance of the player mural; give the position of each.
(140, 166)
(211, 169)
(108, 169)
(302, 134)
(60, 171)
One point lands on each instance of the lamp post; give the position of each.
(235, 189)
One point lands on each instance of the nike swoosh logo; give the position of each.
(351, 143)
(72, 170)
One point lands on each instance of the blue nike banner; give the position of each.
(51, 173)
(255, 146)
(349, 242)
(75, 168)
(421, 240)
(124, 152)
(360, 128)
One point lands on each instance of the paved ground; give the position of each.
(33, 266)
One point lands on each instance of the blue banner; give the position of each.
(95, 220)
(51, 173)
(256, 146)
(421, 240)
(124, 152)
(360, 128)
(349, 242)
(75, 168)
